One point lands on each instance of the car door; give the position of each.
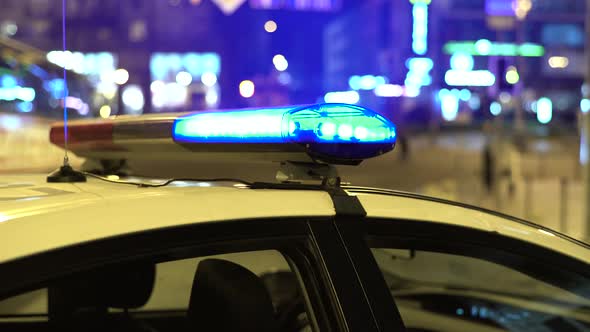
(446, 277)
(148, 281)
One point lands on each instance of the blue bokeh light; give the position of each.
(462, 61)
(420, 28)
(495, 108)
(544, 110)
(8, 81)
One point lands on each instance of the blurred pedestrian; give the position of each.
(488, 167)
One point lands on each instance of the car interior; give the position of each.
(225, 296)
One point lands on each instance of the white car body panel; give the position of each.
(36, 216)
(385, 206)
(98, 210)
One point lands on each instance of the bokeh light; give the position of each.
(512, 76)
(270, 26)
(247, 89)
(558, 62)
(184, 78)
(280, 62)
(495, 108)
(120, 76)
(544, 110)
(133, 99)
(462, 61)
(209, 79)
(105, 111)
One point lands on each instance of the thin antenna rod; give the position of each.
(63, 27)
(65, 173)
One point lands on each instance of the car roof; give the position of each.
(36, 216)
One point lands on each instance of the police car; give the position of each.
(108, 250)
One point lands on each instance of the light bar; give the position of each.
(329, 131)
(332, 133)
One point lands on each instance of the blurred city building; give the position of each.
(173, 55)
(464, 61)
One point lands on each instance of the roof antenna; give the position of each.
(65, 173)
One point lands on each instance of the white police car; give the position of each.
(106, 252)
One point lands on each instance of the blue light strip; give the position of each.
(253, 126)
(323, 123)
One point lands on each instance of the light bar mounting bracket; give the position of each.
(301, 171)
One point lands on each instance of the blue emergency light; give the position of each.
(328, 131)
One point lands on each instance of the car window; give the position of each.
(437, 291)
(256, 289)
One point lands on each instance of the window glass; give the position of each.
(30, 303)
(445, 292)
(257, 288)
(174, 279)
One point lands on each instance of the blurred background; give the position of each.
(488, 95)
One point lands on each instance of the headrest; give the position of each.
(129, 287)
(124, 287)
(228, 297)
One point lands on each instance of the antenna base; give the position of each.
(66, 174)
